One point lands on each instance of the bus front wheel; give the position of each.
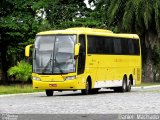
(87, 90)
(95, 90)
(49, 92)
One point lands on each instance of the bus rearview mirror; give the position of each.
(76, 51)
(27, 50)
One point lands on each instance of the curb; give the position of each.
(18, 94)
(153, 87)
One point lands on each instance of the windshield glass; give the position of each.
(54, 54)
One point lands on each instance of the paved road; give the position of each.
(106, 102)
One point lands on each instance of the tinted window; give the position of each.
(100, 45)
(108, 45)
(117, 46)
(136, 47)
(82, 54)
(124, 44)
(92, 44)
(130, 47)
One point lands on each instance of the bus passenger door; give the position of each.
(81, 61)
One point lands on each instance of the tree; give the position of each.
(21, 20)
(138, 16)
(18, 26)
(65, 13)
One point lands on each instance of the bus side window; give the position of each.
(108, 45)
(82, 54)
(125, 47)
(131, 47)
(136, 47)
(92, 45)
(117, 46)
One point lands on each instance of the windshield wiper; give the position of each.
(49, 62)
(58, 66)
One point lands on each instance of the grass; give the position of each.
(149, 83)
(16, 88)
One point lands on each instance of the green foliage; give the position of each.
(134, 16)
(19, 22)
(79, 22)
(22, 71)
(67, 13)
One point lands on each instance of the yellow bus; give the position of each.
(85, 59)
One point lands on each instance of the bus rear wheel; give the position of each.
(87, 90)
(129, 86)
(49, 92)
(124, 86)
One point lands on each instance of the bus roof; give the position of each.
(89, 31)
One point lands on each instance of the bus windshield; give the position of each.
(54, 54)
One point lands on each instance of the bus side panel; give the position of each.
(91, 68)
(110, 69)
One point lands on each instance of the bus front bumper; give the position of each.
(58, 86)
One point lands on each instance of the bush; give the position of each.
(22, 71)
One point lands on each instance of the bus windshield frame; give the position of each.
(54, 54)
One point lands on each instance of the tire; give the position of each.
(49, 92)
(117, 89)
(123, 88)
(124, 85)
(87, 90)
(94, 91)
(129, 86)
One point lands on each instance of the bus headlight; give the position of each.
(70, 77)
(36, 78)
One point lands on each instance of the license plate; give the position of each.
(52, 85)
